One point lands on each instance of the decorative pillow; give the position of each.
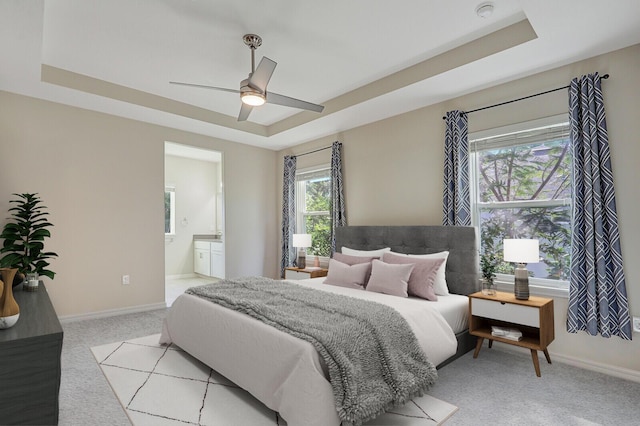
(440, 283)
(352, 260)
(343, 275)
(355, 260)
(389, 279)
(365, 253)
(423, 275)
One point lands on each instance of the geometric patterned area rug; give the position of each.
(164, 386)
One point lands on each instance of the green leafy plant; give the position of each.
(488, 265)
(24, 237)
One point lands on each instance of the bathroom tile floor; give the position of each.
(174, 287)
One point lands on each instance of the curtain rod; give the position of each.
(604, 77)
(311, 152)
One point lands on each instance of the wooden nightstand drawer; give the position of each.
(296, 275)
(303, 274)
(517, 314)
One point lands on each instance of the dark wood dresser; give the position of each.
(30, 362)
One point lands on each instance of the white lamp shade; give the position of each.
(521, 251)
(301, 240)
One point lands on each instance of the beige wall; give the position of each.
(102, 178)
(392, 172)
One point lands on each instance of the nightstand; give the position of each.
(533, 317)
(303, 274)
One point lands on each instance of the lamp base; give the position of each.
(302, 259)
(521, 287)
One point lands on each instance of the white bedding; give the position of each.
(453, 307)
(284, 372)
(455, 310)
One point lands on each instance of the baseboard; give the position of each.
(113, 312)
(180, 276)
(611, 370)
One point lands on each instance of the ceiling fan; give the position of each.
(253, 90)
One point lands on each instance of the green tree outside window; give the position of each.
(524, 191)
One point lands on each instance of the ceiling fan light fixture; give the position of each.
(253, 90)
(252, 98)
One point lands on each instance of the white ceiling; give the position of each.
(364, 59)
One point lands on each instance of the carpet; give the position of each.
(158, 385)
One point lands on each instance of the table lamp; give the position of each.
(301, 241)
(521, 251)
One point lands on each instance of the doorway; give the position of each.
(194, 217)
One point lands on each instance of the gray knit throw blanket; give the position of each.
(374, 360)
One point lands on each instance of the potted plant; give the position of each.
(24, 236)
(488, 265)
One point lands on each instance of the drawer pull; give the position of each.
(503, 303)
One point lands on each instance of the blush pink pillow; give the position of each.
(343, 275)
(389, 279)
(355, 260)
(440, 283)
(423, 275)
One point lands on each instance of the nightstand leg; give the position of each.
(478, 346)
(490, 343)
(546, 355)
(536, 363)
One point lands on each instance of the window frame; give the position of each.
(300, 202)
(541, 286)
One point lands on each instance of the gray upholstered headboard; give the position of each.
(462, 265)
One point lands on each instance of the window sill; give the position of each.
(536, 290)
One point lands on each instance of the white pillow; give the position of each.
(440, 283)
(365, 253)
(389, 278)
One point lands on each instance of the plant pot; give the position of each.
(31, 282)
(488, 288)
(9, 309)
(18, 281)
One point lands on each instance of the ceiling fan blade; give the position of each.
(274, 98)
(261, 76)
(202, 86)
(245, 110)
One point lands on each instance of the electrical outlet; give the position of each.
(636, 324)
(126, 280)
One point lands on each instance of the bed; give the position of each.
(462, 271)
(287, 374)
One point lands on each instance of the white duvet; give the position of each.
(284, 372)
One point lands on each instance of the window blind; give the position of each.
(528, 137)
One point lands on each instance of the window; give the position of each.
(169, 210)
(521, 188)
(313, 196)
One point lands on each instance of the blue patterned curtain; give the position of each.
(288, 212)
(597, 294)
(456, 206)
(338, 216)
